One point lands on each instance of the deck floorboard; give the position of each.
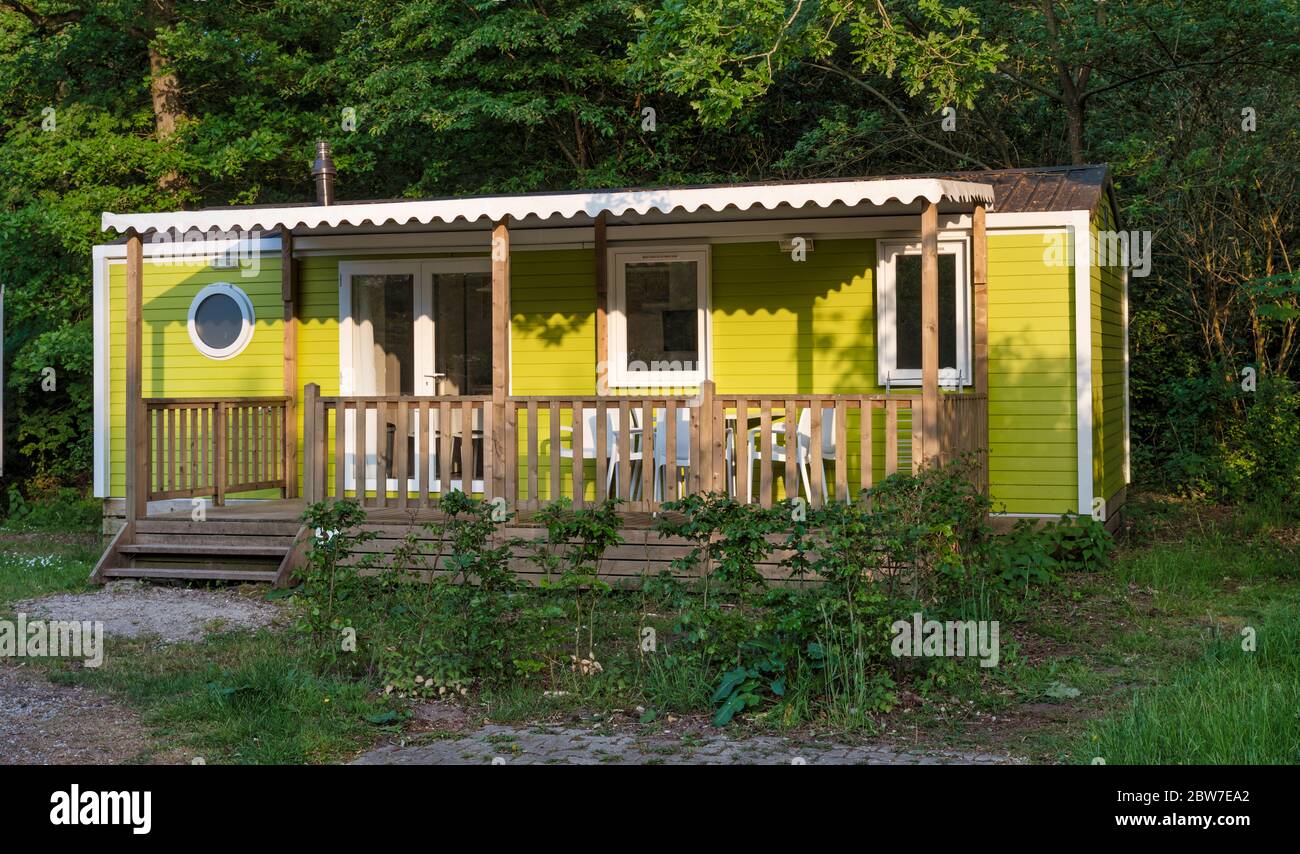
(291, 510)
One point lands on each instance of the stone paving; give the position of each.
(558, 745)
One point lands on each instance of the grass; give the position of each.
(241, 697)
(1230, 706)
(1205, 698)
(31, 567)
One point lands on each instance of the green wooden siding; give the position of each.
(172, 367)
(553, 349)
(553, 322)
(1106, 300)
(1033, 462)
(782, 326)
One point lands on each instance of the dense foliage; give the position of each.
(157, 104)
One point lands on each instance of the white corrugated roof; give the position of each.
(567, 206)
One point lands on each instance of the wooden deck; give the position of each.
(291, 510)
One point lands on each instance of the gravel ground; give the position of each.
(130, 609)
(560, 745)
(42, 723)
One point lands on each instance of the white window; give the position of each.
(899, 319)
(221, 321)
(658, 319)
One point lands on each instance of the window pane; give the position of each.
(463, 332)
(947, 311)
(662, 316)
(218, 321)
(384, 311)
(907, 282)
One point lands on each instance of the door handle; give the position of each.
(431, 382)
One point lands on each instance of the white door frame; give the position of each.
(422, 271)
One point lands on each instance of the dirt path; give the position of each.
(42, 723)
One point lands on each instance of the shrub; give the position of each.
(52, 509)
(730, 538)
(1224, 443)
(448, 615)
(933, 528)
(575, 543)
(332, 588)
(434, 619)
(1078, 543)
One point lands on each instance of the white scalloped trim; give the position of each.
(564, 205)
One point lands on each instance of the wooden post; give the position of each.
(500, 358)
(137, 418)
(980, 276)
(220, 468)
(602, 297)
(289, 295)
(929, 333)
(702, 437)
(313, 454)
(980, 279)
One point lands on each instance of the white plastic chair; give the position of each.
(611, 445)
(803, 449)
(682, 455)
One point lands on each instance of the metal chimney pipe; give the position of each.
(323, 171)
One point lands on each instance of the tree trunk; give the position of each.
(164, 86)
(164, 92)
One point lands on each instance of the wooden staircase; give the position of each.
(247, 550)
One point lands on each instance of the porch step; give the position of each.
(222, 574)
(239, 550)
(205, 550)
(218, 527)
(163, 540)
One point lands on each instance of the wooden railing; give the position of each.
(644, 450)
(214, 446)
(356, 440)
(842, 443)
(964, 431)
(560, 448)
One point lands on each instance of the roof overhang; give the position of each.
(567, 208)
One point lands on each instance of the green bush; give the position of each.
(445, 609)
(1224, 443)
(914, 543)
(575, 543)
(59, 509)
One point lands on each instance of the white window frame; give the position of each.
(617, 369)
(249, 317)
(887, 370)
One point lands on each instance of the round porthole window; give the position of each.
(221, 321)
